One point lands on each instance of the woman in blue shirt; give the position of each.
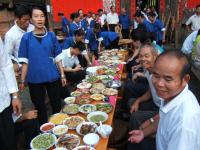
(93, 40)
(110, 39)
(75, 24)
(65, 23)
(40, 54)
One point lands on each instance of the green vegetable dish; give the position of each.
(105, 107)
(43, 141)
(97, 118)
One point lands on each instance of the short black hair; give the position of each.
(140, 35)
(74, 15)
(197, 6)
(97, 26)
(79, 32)
(100, 10)
(38, 8)
(151, 14)
(111, 7)
(77, 45)
(139, 14)
(180, 56)
(60, 14)
(21, 10)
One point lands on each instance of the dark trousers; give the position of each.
(82, 60)
(112, 27)
(113, 44)
(30, 128)
(7, 133)
(159, 43)
(75, 77)
(38, 93)
(125, 33)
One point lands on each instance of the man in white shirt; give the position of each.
(73, 70)
(112, 19)
(179, 121)
(102, 17)
(8, 85)
(194, 20)
(14, 35)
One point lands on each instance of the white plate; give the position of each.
(90, 105)
(84, 85)
(78, 128)
(84, 146)
(105, 115)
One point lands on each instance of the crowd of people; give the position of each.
(156, 100)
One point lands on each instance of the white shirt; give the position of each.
(13, 38)
(69, 60)
(112, 18)
(8, 83)
(195, 21)
(102, 18)
(189, 43)
(179, 124)
(156, 98)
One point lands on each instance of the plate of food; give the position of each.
(106, 79)
(84, 147)
(43, 141)
(99, 86)
(114, 84)
(86, 127)
(58, 118)
(70, 109)
(95, 91)
(60, 130)
(105, 107)
(87, 108)
(69, 100)
(97, 116)
(75, 93)
(73, 121)
(83, 99)
(92, 79)
(97, 97)
(101, 71)
(68, 141)
(111, 72)
(109, 92)
(84, 85)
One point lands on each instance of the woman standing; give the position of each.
(39, 54)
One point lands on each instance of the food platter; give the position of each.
(86, 127)
(73, 121)
(84, 85)
(87, 108)
(75, 93)
(109, 92)
(97, 97)
(58, 118)
(70, 109)
(83, 99)
(104, 107)
(68, 141)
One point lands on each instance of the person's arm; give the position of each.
(188, 22)
(148, 122)
(136, 53)
(6, 68)
(23, 76)
(99, 46)
(145, 97)
(32, 114)
(136, 136)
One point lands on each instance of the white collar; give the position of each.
(18, 28)
(174, 102)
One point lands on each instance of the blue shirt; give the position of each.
(68, 42)
(148, 25)
(92, 24)
(124, 20)
(65, 23)
(39, 55)
(74, 26)
(158, 28)
(84, 24)
(108, 37)
(92, 40)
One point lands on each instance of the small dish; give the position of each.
(47, 127)
(91, 139)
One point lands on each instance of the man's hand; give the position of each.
(17, 105)
(64, 82)
(135, 106)
(31, 114)
(21, 87)
(77, 68)
(136, 136)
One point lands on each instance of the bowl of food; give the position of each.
(69, 100)
(97, 116)
(87, 108)
(68, 141)
(43, 141)
(60, 130)
(115, 84)
(104, 130)
(91, 139)
(75, 93)
(86, 127)
(47, 127)
(84, 147)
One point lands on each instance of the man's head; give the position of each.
(147, 56)
(112, 9)
(76, 48)
(123, 11)
(79, 35)
(60, 14)
(97, 28)
(198, 9)
(80, 11)
(139, 17)
(170, 74)
(22, 15)
(151, 16)
(75, 17)
(100, 12)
